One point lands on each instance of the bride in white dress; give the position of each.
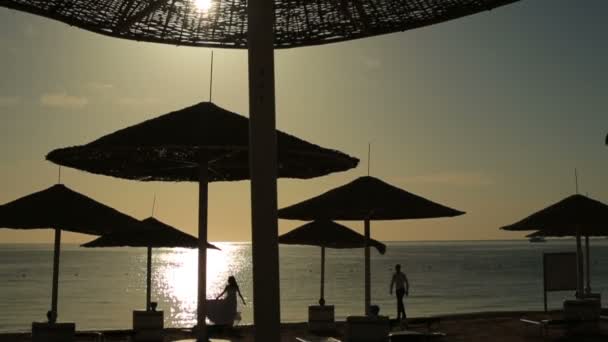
(223, 311)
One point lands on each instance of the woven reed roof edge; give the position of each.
(466, 11)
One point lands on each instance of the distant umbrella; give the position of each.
(153, 234)
(60, 208)
(366, 198)
(172, 147)
(576, 215)
(327, 234)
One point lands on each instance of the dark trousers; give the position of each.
(400, 307)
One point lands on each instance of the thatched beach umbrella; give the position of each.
(327, 234)
(260, 26)
(576, 215)
(202, 143)
(61, 208)
(153, 234)
(366, 199)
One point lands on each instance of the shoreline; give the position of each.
(499, 326)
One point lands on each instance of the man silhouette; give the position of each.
(402, 287)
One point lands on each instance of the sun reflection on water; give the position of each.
(175, 278)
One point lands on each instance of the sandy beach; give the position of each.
(474, 327)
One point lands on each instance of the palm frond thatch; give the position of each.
(329, 234)
(566, 217)
(224, 23)
(169, 148)
(59, 207)
(366, 198)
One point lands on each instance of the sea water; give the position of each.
(100, 287)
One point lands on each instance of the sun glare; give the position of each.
(178, 278)
(202, 5)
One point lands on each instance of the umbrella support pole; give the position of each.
(263, 170)
(322, 299)
(367, 268)
(579, 266)
(587, 266)
(149, 280)
(203, 190)
(56, 252)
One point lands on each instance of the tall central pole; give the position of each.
(263, 171)
(579, 266)
(203, 190)
(149, 279)
(322, 299)
(55, 288)
(368, 292)
(587, 265)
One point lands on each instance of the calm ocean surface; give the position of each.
(100, 287)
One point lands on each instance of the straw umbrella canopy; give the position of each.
(202, 143)
(153, 234)
(576, 215)
(366, 199)
(327, 234)
(213, 23)
(171, 147)
(61, 208)
(260, 26)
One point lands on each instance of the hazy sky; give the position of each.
(489, 114)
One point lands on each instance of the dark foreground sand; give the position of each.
(476, 327)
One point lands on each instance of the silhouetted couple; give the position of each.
(402, 288)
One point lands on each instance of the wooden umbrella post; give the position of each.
(587, 265)
(149, 279)
(203, 190)
(55, 287)
(263, 171)
(367, 268)
(579, 266)
(322, 299)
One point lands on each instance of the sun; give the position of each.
(202, 5)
